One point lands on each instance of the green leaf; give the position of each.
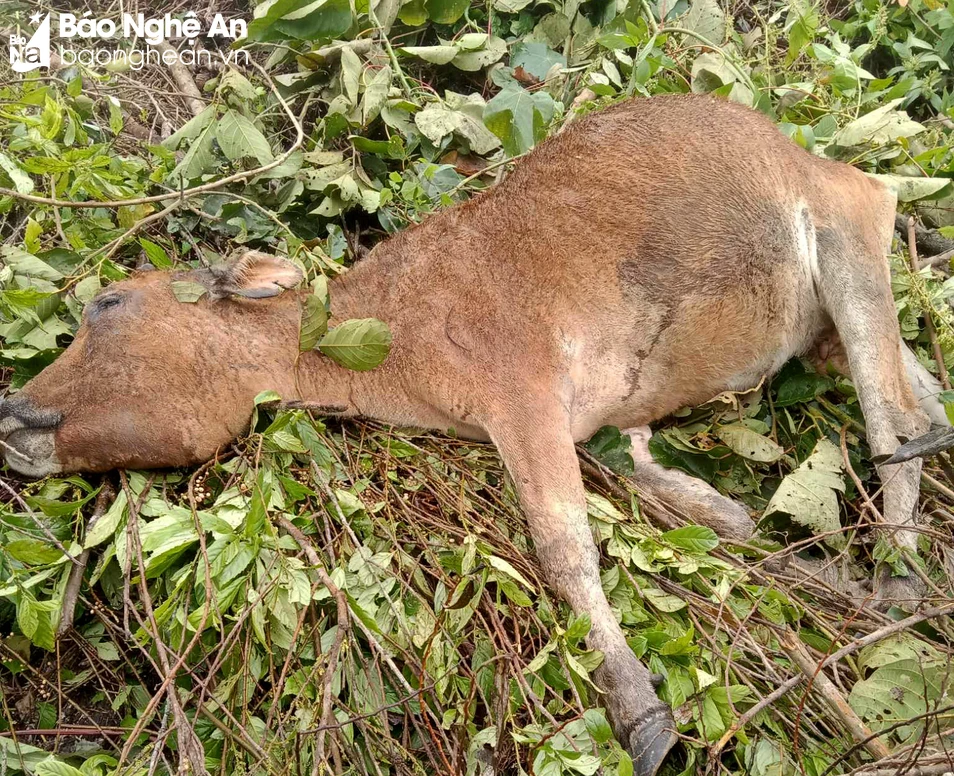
(694, 538)
(300, 19)
(662, 601)
(33, 553)
(314, 322)
(518, 117)
(413, 13)
(375, 95)
(24, 263)
(810, 493)
(267, 397)
(53, 767)
(106, 526)
(613, 449)
(191, 129)
(507, 568)
(905, 684)
(909, 188)
(880, 126)
(706, 18)
(155, 253)
(437, 55)
(199, 159)
(802, 388)
(238, 137)
(445, 11)
(597, 726)
(535, 58)
(28, 617)
(188, 291)
(22, 182)
(750, 444)
(493, 50)
(359, 344)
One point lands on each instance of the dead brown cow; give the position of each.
(651, 256)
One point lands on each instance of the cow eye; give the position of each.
(104, 303)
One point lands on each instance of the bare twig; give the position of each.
(342, 609)
(75, 581)
(835, 701)
(183, 78)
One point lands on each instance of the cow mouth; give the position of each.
(31, 452)
(27, 440)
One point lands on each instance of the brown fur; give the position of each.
(651, 256)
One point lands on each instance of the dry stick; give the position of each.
(928, 316)
(185, 193)
(182, 77)
(103, 501)
(928, 769)
(797, 653)
(875, 636)
(939, 486)
(326, 711)
(941, 258)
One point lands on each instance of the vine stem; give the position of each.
(390, 51)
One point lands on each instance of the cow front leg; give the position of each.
(538, 452)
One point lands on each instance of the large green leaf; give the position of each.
(535, 58)
(445, 11)
(907, 679)
(518, 117)
(694, 538)
(490, 50)
(810, 493)
(191, 129)
(314, 322)
(200, 157)
(908, 188)
(882, 125)
(706, 18)
(437, 55)
(439, 120)
(238, 137)
(748, 443)
(21, 181)
(359, 344)
(300, 19)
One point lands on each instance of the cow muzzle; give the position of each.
(27, 437)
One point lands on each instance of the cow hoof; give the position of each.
(649, 743)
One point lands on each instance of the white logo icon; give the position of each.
(29, 55)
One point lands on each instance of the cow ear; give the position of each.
(255, 275)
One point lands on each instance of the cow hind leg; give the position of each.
(695, 500)
(829, 353)
(855, 290)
